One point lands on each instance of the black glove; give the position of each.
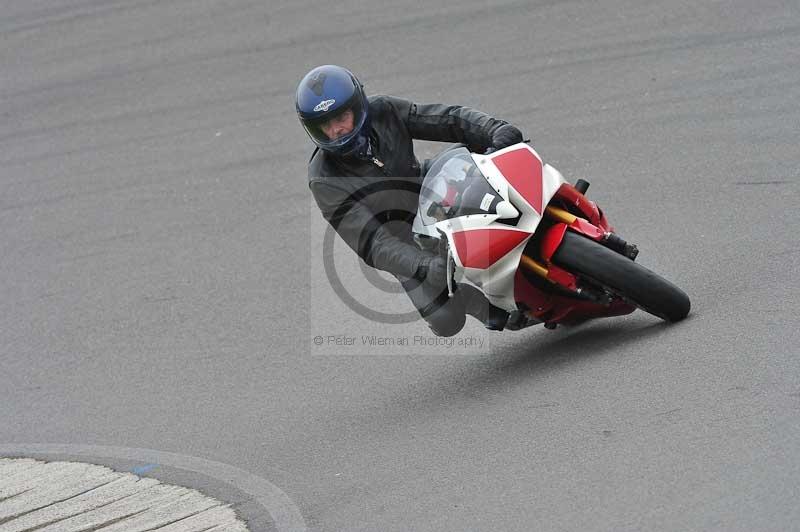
(433, 270)
(505, 136)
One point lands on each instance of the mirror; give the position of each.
(506, 211)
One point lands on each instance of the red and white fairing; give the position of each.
(485, 249)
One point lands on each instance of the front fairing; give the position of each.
(459, 200)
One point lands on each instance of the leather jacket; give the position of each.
(372, 203)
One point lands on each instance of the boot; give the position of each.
(477, 305)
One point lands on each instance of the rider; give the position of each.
(364, 157)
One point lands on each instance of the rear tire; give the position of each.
(621, 276)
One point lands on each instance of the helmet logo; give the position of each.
(324, 105)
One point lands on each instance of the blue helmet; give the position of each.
(328, 92)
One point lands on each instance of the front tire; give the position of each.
(621, 276)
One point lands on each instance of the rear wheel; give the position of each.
(621, 276)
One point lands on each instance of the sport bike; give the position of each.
(533, 243)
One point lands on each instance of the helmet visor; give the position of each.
(338, 128)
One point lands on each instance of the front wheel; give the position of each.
(621, 276)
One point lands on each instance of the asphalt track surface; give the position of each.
(154, 263)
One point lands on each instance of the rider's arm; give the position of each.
(365, 234)
(447, 123)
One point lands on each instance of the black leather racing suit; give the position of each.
(371, 204)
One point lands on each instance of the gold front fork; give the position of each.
(530, 264)
(534, 266)
(561, 215)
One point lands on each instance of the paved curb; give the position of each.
(279, 506)
(75, 496)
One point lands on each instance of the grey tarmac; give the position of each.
(158, 287)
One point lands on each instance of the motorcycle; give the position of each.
(532, 242)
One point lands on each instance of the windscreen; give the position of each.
(455, 187)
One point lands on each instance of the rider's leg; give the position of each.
(446, 315)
